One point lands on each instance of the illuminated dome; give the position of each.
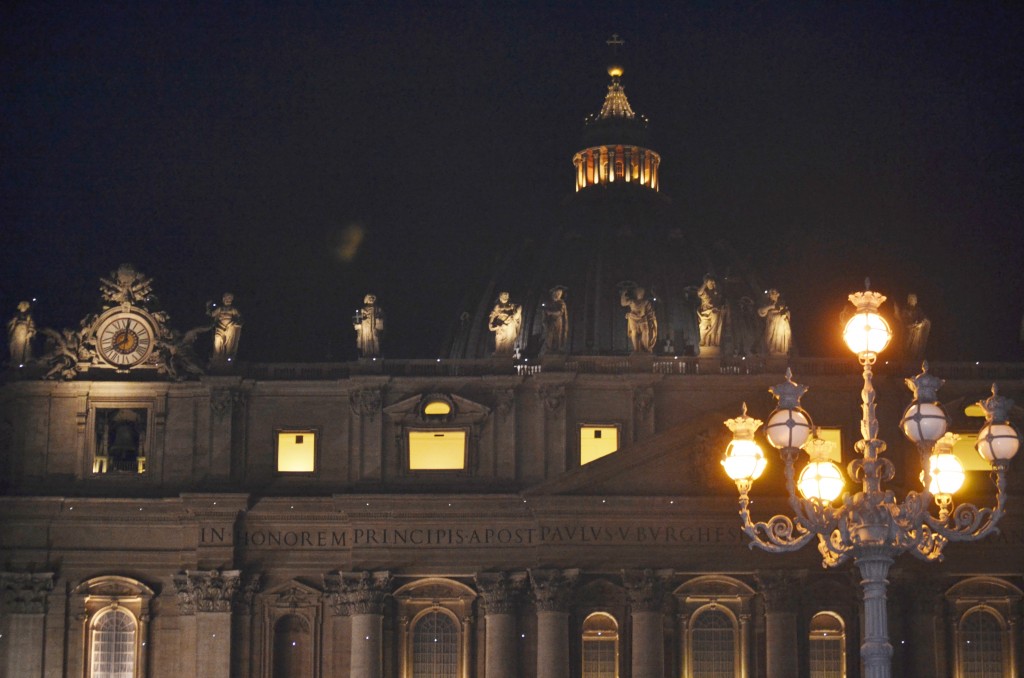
(616, 232)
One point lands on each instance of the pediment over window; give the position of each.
(435, 589)
(112, 586)
(984, 588)
(428, 408)
(292, 594)
(714, 586)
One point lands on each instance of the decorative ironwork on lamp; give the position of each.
(870, 526)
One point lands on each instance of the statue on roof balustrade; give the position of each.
(369, 325)
(505, 321)
(227, 328)
(778, 335)
(556, 321)
(712, 312)
(20, 331)
(641, 320)
(915, 328)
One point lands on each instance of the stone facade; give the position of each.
(228, 567)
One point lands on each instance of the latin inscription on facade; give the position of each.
(447, 536)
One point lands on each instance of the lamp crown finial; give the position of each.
(997, 408)
(788, 393)
(925, 386)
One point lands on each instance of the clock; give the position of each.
(125, 338)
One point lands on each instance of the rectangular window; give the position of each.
(968, 456)
(437, 450)
(833, 435)
(296, 451)
(597, 441)
(120, 440)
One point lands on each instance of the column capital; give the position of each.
(25, 592)
(358, 593)
(552, 589)
(247, 592)
(780, 588)
(500, 590)
(922, 593)
(207, 590)
(646, 588)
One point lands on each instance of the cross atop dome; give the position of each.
(615, 103)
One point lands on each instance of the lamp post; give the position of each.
(869, 526)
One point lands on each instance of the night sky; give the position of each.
(239, 146)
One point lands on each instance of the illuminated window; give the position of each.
(112, 646)
(968, 456)
(597, 441)
(827, 646)
(834, 436)
(296, 451)
(120, 440)
(435, 647)
(981, 645)
(437, 408)
(437, 450)
(600, 646)
(714, 645)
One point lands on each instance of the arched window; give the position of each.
(291, 647)
(435, 647)
(981, 645)
(714, 645)
(600, 646)
(112, 648)
(827, 646)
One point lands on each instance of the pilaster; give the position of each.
(24, 597)
(209, 597)
(781, 592)
(552, 594)
(500, 592)
(646, 590)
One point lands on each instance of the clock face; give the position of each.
(125, 339)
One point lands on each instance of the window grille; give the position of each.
(600, 646)
(714, 646)
(827, 646)
(113, 645)
(435, 647)
(981, 645)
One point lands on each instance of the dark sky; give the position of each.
(231, 146)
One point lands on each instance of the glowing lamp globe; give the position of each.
(821, 480)
(867, 333)
(744, 460)
(997, 442)
(788, 427)
(924, 422)
(947, 474)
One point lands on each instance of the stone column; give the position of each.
(781, 591)
(646, 591)
(24, 609)
(552, 593)
(364, 595)
(500, 591)
(209, 596)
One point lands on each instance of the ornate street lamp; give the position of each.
(870, 526)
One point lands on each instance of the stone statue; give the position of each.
(505, 320)
(641, 321)
(126, 286)
(915, 328)
(556, 322)
(369, 325)
(227, 328)
(20, 330)
(710, 315)
(777, 334)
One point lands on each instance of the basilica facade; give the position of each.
(546, 501)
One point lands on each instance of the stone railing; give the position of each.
(667, 365)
